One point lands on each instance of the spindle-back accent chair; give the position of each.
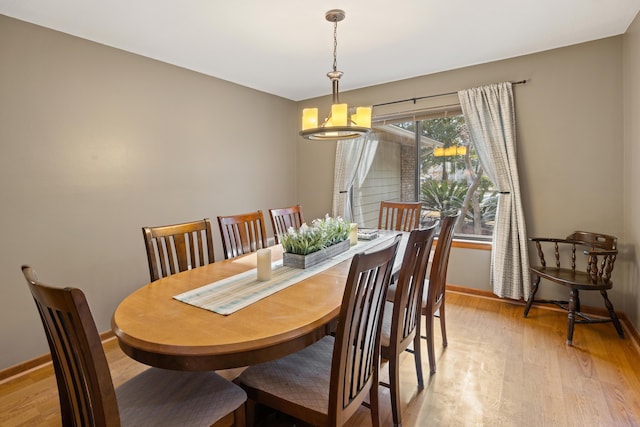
(600, 252)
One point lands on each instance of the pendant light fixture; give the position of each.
(341, 123)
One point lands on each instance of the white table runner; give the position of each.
(233, 293)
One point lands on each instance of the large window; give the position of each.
(430, 159)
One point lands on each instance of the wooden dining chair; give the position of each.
(242, 233)
(154, 397)
(399, 216)
(325, 383)
(433, 303)
(600, 252)
(283, 218)
(178, 247)
(401, 319)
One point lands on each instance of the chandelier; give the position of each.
(341, 123)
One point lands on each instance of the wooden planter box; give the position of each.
(306, 261)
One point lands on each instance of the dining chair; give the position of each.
(284, 218)
(242, 233)
(433, 303)
(399, 216)
(178, 247)
(401, 319)
(325, 383)
(151, 398)
(600, 252)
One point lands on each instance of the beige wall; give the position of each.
(96, 143)
(570, 146)
(631, 207)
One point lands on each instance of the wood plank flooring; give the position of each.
(498, 370)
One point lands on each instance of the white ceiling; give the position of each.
(285, 47)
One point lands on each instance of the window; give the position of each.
(431, 159)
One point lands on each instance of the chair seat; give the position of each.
(157, 397)
(301, 378)
(570, 278)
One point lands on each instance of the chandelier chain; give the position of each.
(335, 45)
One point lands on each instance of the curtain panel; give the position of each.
(353, 160)
(490, 116)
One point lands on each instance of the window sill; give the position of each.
(471, 244)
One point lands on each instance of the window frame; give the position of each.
(472, 241)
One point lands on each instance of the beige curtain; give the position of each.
(490, 115)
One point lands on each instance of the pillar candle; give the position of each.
(353, 234)
(264, 264)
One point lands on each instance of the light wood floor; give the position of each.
(498, 370)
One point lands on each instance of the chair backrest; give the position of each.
(594, 240)
(85, 387)
(399, 216)
(179, 247)
(407, 303)
(283, 218)
(440, 263)
(242, 233)
(356, 350)
(599, 264)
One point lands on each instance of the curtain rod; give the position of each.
(432, 96)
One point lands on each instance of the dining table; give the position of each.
(155, 327)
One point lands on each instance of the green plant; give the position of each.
(488, 204)
(322, 233)
(489, 207)
(443, 196)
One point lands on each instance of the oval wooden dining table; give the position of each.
(154, 328)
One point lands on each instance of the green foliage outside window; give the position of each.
(455, 182)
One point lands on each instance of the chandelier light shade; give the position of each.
(342, 122)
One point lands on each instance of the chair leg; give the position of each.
(536, 282)
(374, 402)
(443, 323)
(429, 336)
(394, 389)
(612, 314)
(250, 418)
(574, 304)
(240, 416)
(417, 357)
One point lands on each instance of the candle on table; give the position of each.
(264, 264)
(353, 234)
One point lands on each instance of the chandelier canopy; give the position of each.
(342, 122)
